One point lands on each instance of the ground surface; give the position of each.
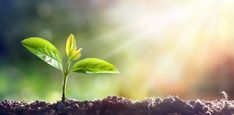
(120, 106)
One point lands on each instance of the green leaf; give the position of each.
(75, 54)
(94, 65)
(71, 48)
(44, 50)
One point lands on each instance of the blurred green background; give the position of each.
(161, 47)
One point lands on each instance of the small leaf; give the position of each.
(70, 45)
(94, 65)
(44, 50)
(75, 54)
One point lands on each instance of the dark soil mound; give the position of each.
(120, 106)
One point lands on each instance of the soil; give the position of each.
(113, 105)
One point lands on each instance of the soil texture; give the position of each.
(113, 105)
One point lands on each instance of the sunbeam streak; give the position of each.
(177, 41)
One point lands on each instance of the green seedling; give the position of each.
(49, 53)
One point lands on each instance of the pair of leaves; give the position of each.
(49, 53)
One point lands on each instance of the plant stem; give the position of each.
(64, 86)
(65, 76)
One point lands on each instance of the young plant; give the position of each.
(49, 53)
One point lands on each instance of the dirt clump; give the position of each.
(114, 105)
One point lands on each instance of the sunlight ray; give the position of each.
(155, 27)
(191, 37)
(148, 22)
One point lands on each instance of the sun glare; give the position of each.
(178, 39)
